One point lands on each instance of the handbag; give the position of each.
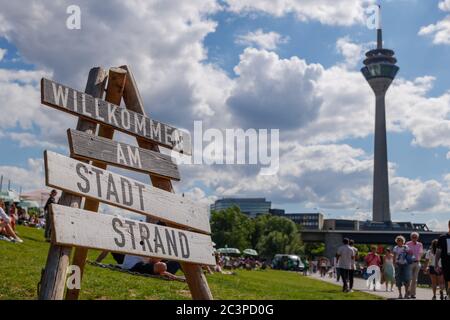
(409, 258)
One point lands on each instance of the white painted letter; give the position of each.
(74, 20)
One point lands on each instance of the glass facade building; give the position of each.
(249, 206)
(308, 221)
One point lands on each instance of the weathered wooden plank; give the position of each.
(116, 83)
(91, 182)
(58, 259)
(194, 274)
(77, 227)
(90, 147)
(86, 106)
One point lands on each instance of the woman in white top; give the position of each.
(430, 267)
(5, 225)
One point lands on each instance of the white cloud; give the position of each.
(331, 12)
(162, 41)
(440, 31)
(419, 196)
(444, 5)
(199, 196)
(358, 215)
(26, 139)
(318, 105)
(337, 104)
(437, 225)
(25, 119)
(351, 51)
(348, 110)
(29, 178)
(264, 40)
(274, 93)
(333, 176)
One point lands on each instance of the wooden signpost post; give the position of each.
(185, 236)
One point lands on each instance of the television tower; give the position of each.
(380, 70)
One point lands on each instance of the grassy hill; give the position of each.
(21, 264)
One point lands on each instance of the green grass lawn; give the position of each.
(21, 264)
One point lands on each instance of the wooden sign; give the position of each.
(88, 181)
(76, 227)
(86, 106)
(86, 146)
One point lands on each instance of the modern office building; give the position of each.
(379, 71)
(308, 221)
(249, 206)
(277, 212)
(340, 224)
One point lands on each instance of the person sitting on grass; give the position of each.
(5, 226)
(150, 266)
(219, 263)
(13, 216)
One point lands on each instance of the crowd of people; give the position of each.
(154, 266)
(13, 215)
(400, 265)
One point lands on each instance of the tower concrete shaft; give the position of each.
(380, 70)
(381, 209)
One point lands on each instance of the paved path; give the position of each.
(360, 285)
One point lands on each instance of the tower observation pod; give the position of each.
(380, 70)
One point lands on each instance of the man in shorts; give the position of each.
(443, 255)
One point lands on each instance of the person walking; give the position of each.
(416, 249)
(373, 259)
(50, 200)
(443, 258)
(351, 275)
(437, 279)
(323, 267)
(345, 258)
(402, 266)
(388, 269)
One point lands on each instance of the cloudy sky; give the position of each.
(291, 65)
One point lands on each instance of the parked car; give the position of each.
(287, 262)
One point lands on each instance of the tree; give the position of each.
(259, 227)
(267, 234)
(277, 235)
(232, 228)
(315, 249)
